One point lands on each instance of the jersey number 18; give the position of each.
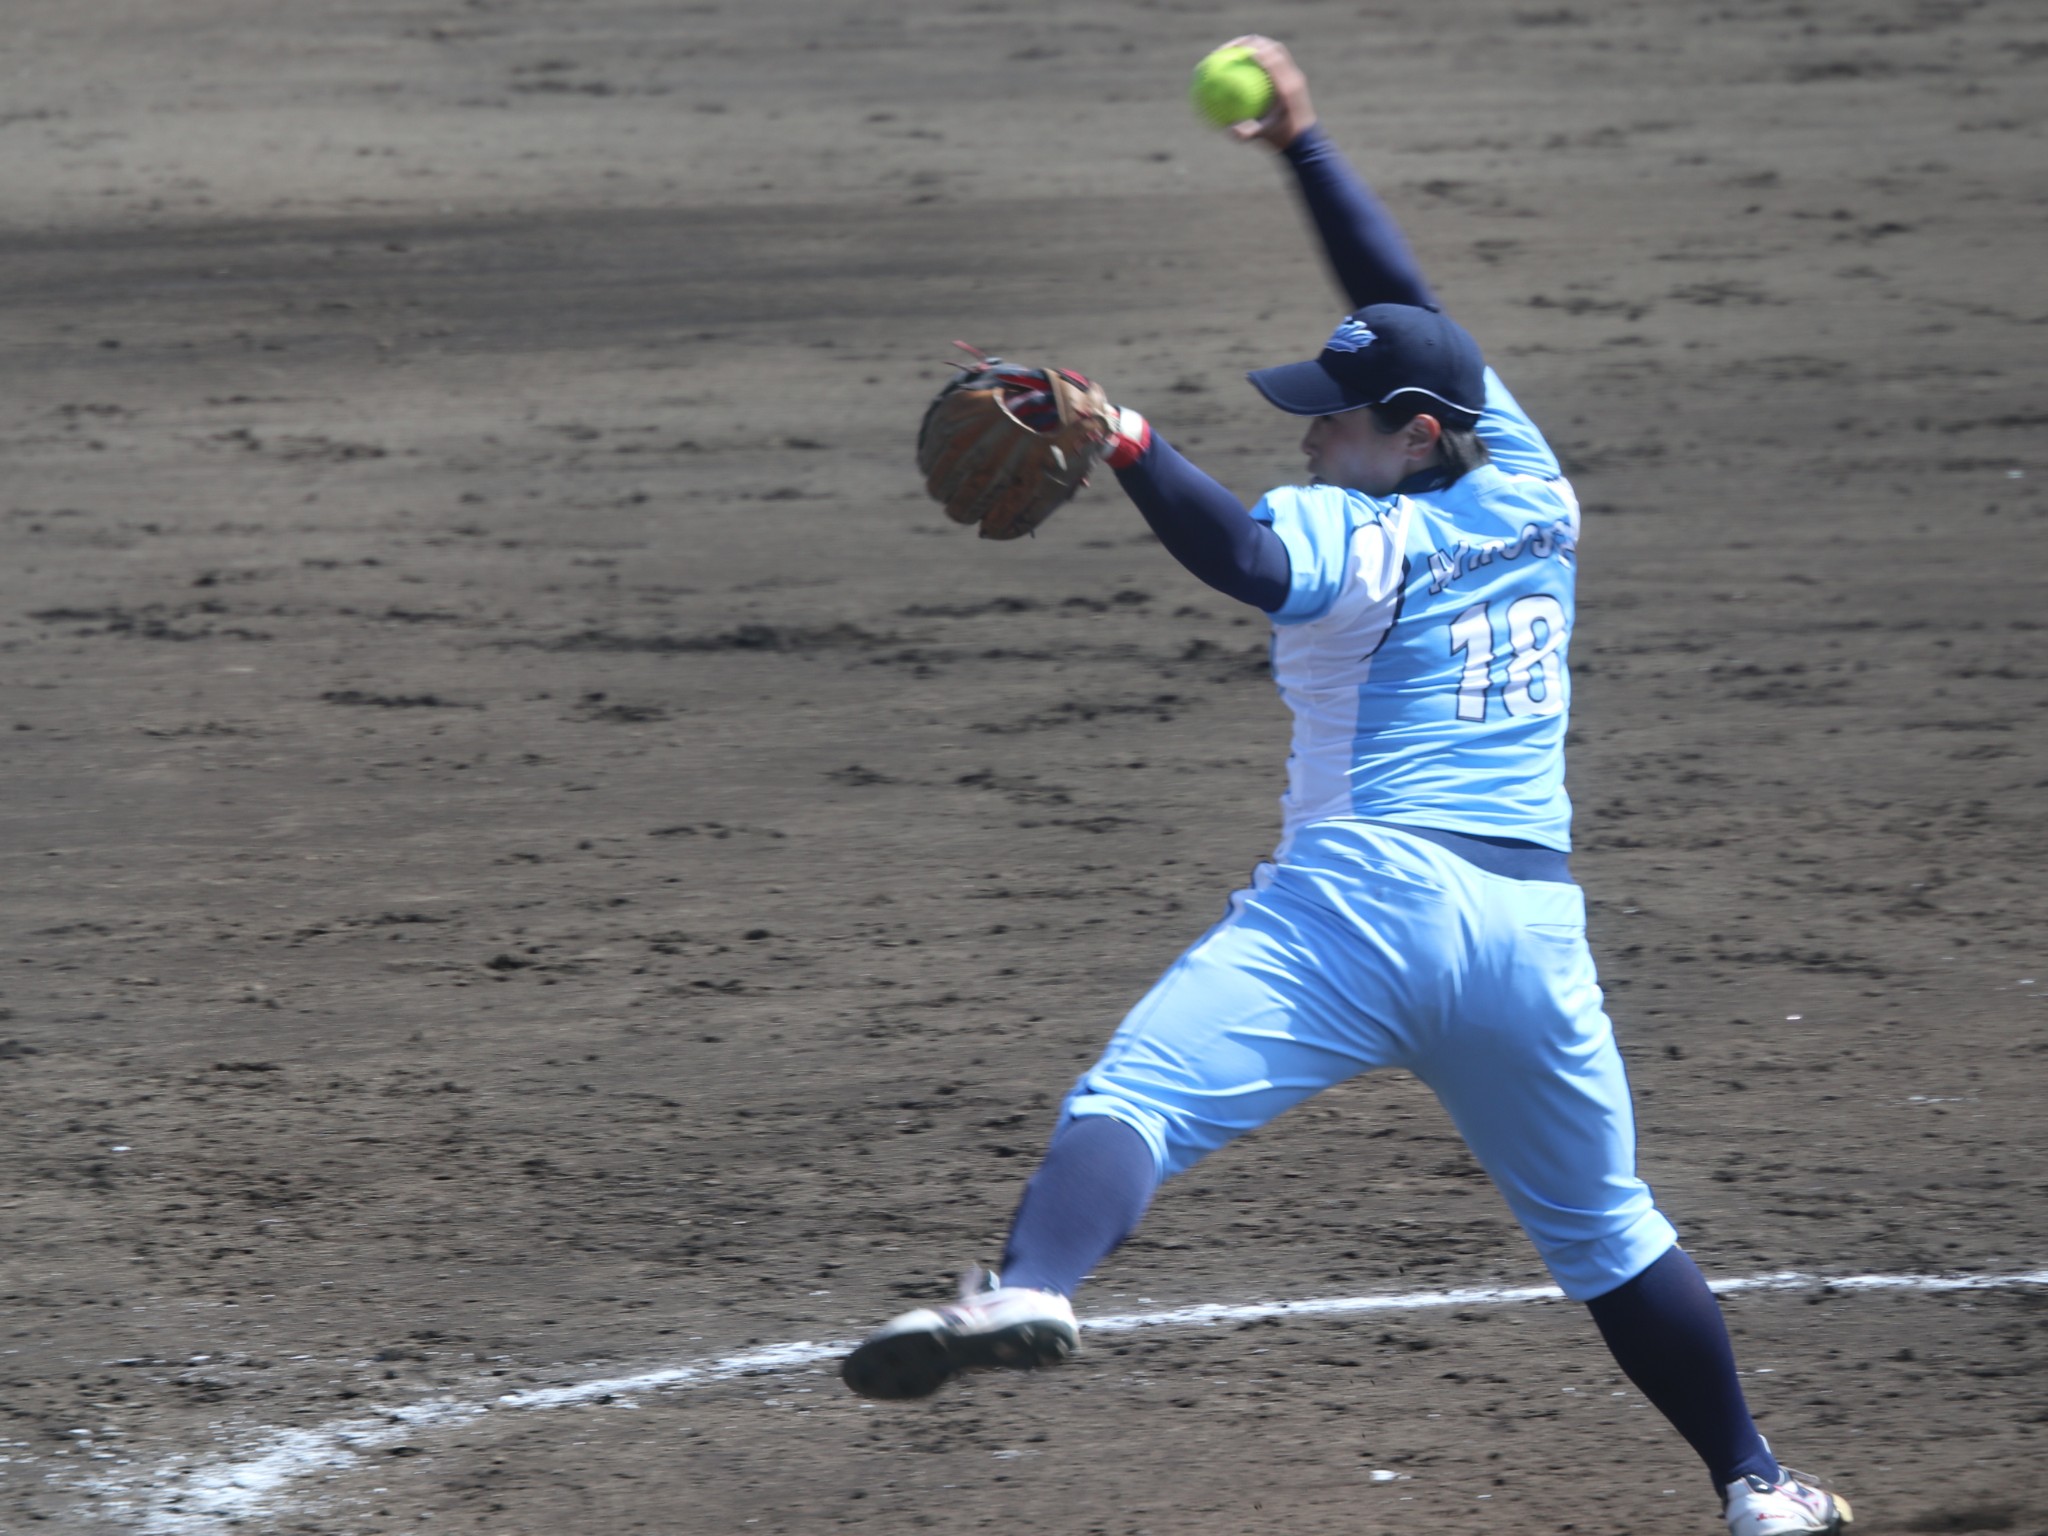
(1535, 630)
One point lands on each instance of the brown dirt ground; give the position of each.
(534, 853)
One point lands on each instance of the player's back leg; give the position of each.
(1531, 1075)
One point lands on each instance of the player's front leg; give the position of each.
(1242, 1026)
(1087, 1196)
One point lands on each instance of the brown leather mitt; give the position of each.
(1006, 447)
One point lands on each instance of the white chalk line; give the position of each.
(208, 1495)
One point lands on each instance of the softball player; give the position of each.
(1419, 911)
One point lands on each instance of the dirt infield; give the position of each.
(535, 855)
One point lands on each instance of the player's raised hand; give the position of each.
(1292, 113)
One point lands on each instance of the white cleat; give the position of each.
(1789, 1507)
(991, 1327)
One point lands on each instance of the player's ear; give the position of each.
(1422, 435)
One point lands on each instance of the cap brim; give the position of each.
(1303, 389)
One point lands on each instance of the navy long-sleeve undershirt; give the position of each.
(1203, 525)
(1365, 247)
(1206, 528)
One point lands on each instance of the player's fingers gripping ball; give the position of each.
(1005, 447)
(1230, 87)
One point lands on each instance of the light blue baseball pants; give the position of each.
(1364, 947)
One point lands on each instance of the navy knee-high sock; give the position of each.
(1096, 1180)
(1666, 1331)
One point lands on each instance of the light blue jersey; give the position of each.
(1422, 648)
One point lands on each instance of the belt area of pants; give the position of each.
(1508, 856)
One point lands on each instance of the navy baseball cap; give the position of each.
(1380, 352)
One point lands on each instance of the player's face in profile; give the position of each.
(1353, 451)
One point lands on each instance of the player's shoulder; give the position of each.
(1320, 525)
(1492, 528)
(1503, 492)
(1490, 503)
(1321, 504)
(1511, 437)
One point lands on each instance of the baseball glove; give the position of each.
(1006, 447)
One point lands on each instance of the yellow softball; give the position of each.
(1229, 87)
